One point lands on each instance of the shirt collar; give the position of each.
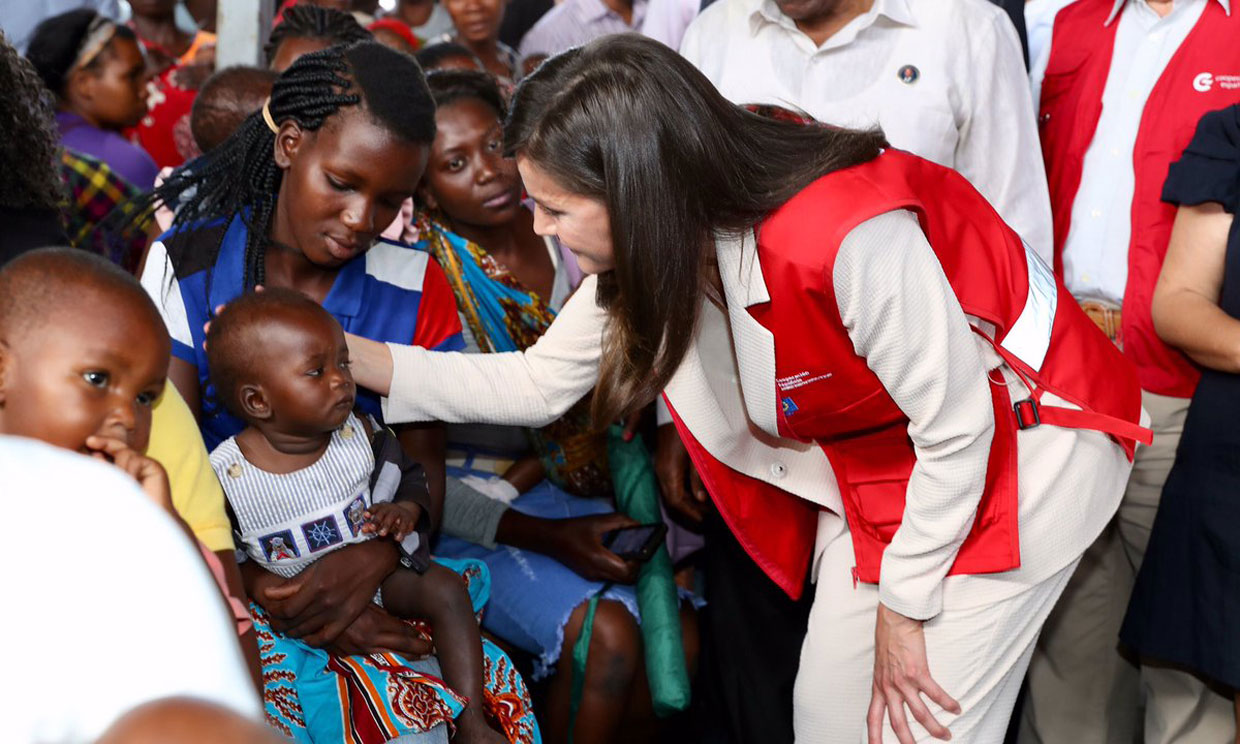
(343, 301)
(1119, 5)
(895, 10)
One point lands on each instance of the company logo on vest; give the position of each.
(1205, 81)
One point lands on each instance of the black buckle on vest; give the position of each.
(1027, 415)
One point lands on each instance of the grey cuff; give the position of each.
(469, 515)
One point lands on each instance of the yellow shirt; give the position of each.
(177, 444)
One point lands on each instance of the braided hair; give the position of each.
(240, 177)
(314, 22)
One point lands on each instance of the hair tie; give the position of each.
(271, 123)
(98, 34)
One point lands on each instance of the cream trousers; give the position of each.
(977, 654)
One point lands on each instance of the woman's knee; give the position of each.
(615, 644)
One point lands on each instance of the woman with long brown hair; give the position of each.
(882, 318)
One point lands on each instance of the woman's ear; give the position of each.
(423, 197)
(288, 141)
(79, 90)
(254, 402)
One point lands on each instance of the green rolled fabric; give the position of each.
(637, 495)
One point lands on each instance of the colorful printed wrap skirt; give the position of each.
(314, 697)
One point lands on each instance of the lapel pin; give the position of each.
(908, 74)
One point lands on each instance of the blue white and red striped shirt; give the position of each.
(390, 293)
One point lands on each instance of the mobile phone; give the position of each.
(636, 543)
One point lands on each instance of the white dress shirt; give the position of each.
(1040, 24)
(944, 80)
(667, 20)
(111, 608)
(1095, 253)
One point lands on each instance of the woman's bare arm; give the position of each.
(1186, 310)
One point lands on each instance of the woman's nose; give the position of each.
(359, 217)
(543, 225)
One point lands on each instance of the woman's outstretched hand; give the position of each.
(901, 677)
(371, 363)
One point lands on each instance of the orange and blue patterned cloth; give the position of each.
(313, 697)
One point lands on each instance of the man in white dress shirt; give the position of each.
(1121, 86)
(944, 80)
(129, 616)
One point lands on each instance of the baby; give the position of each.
(308, 475)
(83, 358)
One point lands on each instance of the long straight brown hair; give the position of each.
(630, 122)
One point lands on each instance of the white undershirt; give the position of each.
(1095, 254)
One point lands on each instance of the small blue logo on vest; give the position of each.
(788, 406)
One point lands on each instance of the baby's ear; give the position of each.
(254, 402)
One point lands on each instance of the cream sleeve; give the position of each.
(530, 388)
(903, 317)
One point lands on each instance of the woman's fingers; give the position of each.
(405, 644)
(888, 701)
(308, 626)
(939, 695)
(917, 706)
(874, 718)
(897, 717)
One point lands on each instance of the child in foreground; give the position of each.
(308, 475)
(83, 359)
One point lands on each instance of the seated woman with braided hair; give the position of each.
(296, 199)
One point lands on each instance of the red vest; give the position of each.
(828, 394)
(1203, 75)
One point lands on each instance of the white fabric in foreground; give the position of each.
(113, 608)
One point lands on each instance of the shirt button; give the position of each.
(1095, 213)
(1085, 278)
(778, 470)
(1115, 151)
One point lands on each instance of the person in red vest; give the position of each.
(908, 409)
(1121, 89)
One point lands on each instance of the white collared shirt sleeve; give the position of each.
(529, 388)
(903, 317)
(999, 149)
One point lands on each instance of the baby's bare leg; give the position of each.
(440, 597)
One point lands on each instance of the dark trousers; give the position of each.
(751, 645)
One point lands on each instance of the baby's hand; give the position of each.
(148, 473)
(391, 518)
